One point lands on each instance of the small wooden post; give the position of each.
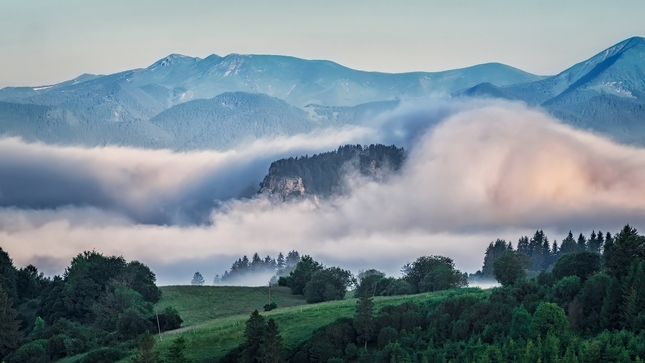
(158, 326)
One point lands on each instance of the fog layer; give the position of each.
(475, 172)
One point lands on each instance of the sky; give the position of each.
(45, 42)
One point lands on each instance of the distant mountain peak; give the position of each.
(173, 59)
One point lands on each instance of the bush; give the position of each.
(271, 306)
(169, 319)
(284, 281)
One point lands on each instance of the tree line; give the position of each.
(256, 266)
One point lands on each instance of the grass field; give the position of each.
(215, 316)
(197, 304)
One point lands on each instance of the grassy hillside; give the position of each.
(215, 316)
(197, 304)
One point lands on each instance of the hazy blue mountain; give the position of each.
(299, 82)
(217, 123)
(230, 118)
(54, 125)
(173, 102)
(605, 93)
(184, 102)
(486, 90)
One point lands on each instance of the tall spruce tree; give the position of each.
(254, 335)
(582, 242)
(271, 349)
(280, 262)
(494, 251)
(634, 297)
(9, 325)
(568, 244)
(364, 319)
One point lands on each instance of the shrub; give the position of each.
(271, 306)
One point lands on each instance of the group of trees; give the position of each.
(425, 274)
(100, 301)
(540, 254)
(316, 282)
(244, 268)
(588, 307)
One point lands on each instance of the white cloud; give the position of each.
(497, 170)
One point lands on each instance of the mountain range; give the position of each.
(182, 102)
(605, 93)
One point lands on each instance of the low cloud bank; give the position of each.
(475, 172)
(147, 186)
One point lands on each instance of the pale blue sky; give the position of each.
(46, 41)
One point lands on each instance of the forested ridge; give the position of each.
(322, 174)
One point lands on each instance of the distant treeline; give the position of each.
(244, 268)
(541, 255)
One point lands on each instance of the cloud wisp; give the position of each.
(483, 171)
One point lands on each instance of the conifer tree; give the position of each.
(176, 351)
(9, 325)
(611, 306)
(600, 242)
(281, 264)
(198, 279)
(364, 319)
(523, 246)
(494, 251)
(254, 335)
(634, 297)
(146, 353)
(582, 243)
(271, 349)
(568, 244)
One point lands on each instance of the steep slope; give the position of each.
(618, 70)
(605, 93)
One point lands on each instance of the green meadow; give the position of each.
(214, 316)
